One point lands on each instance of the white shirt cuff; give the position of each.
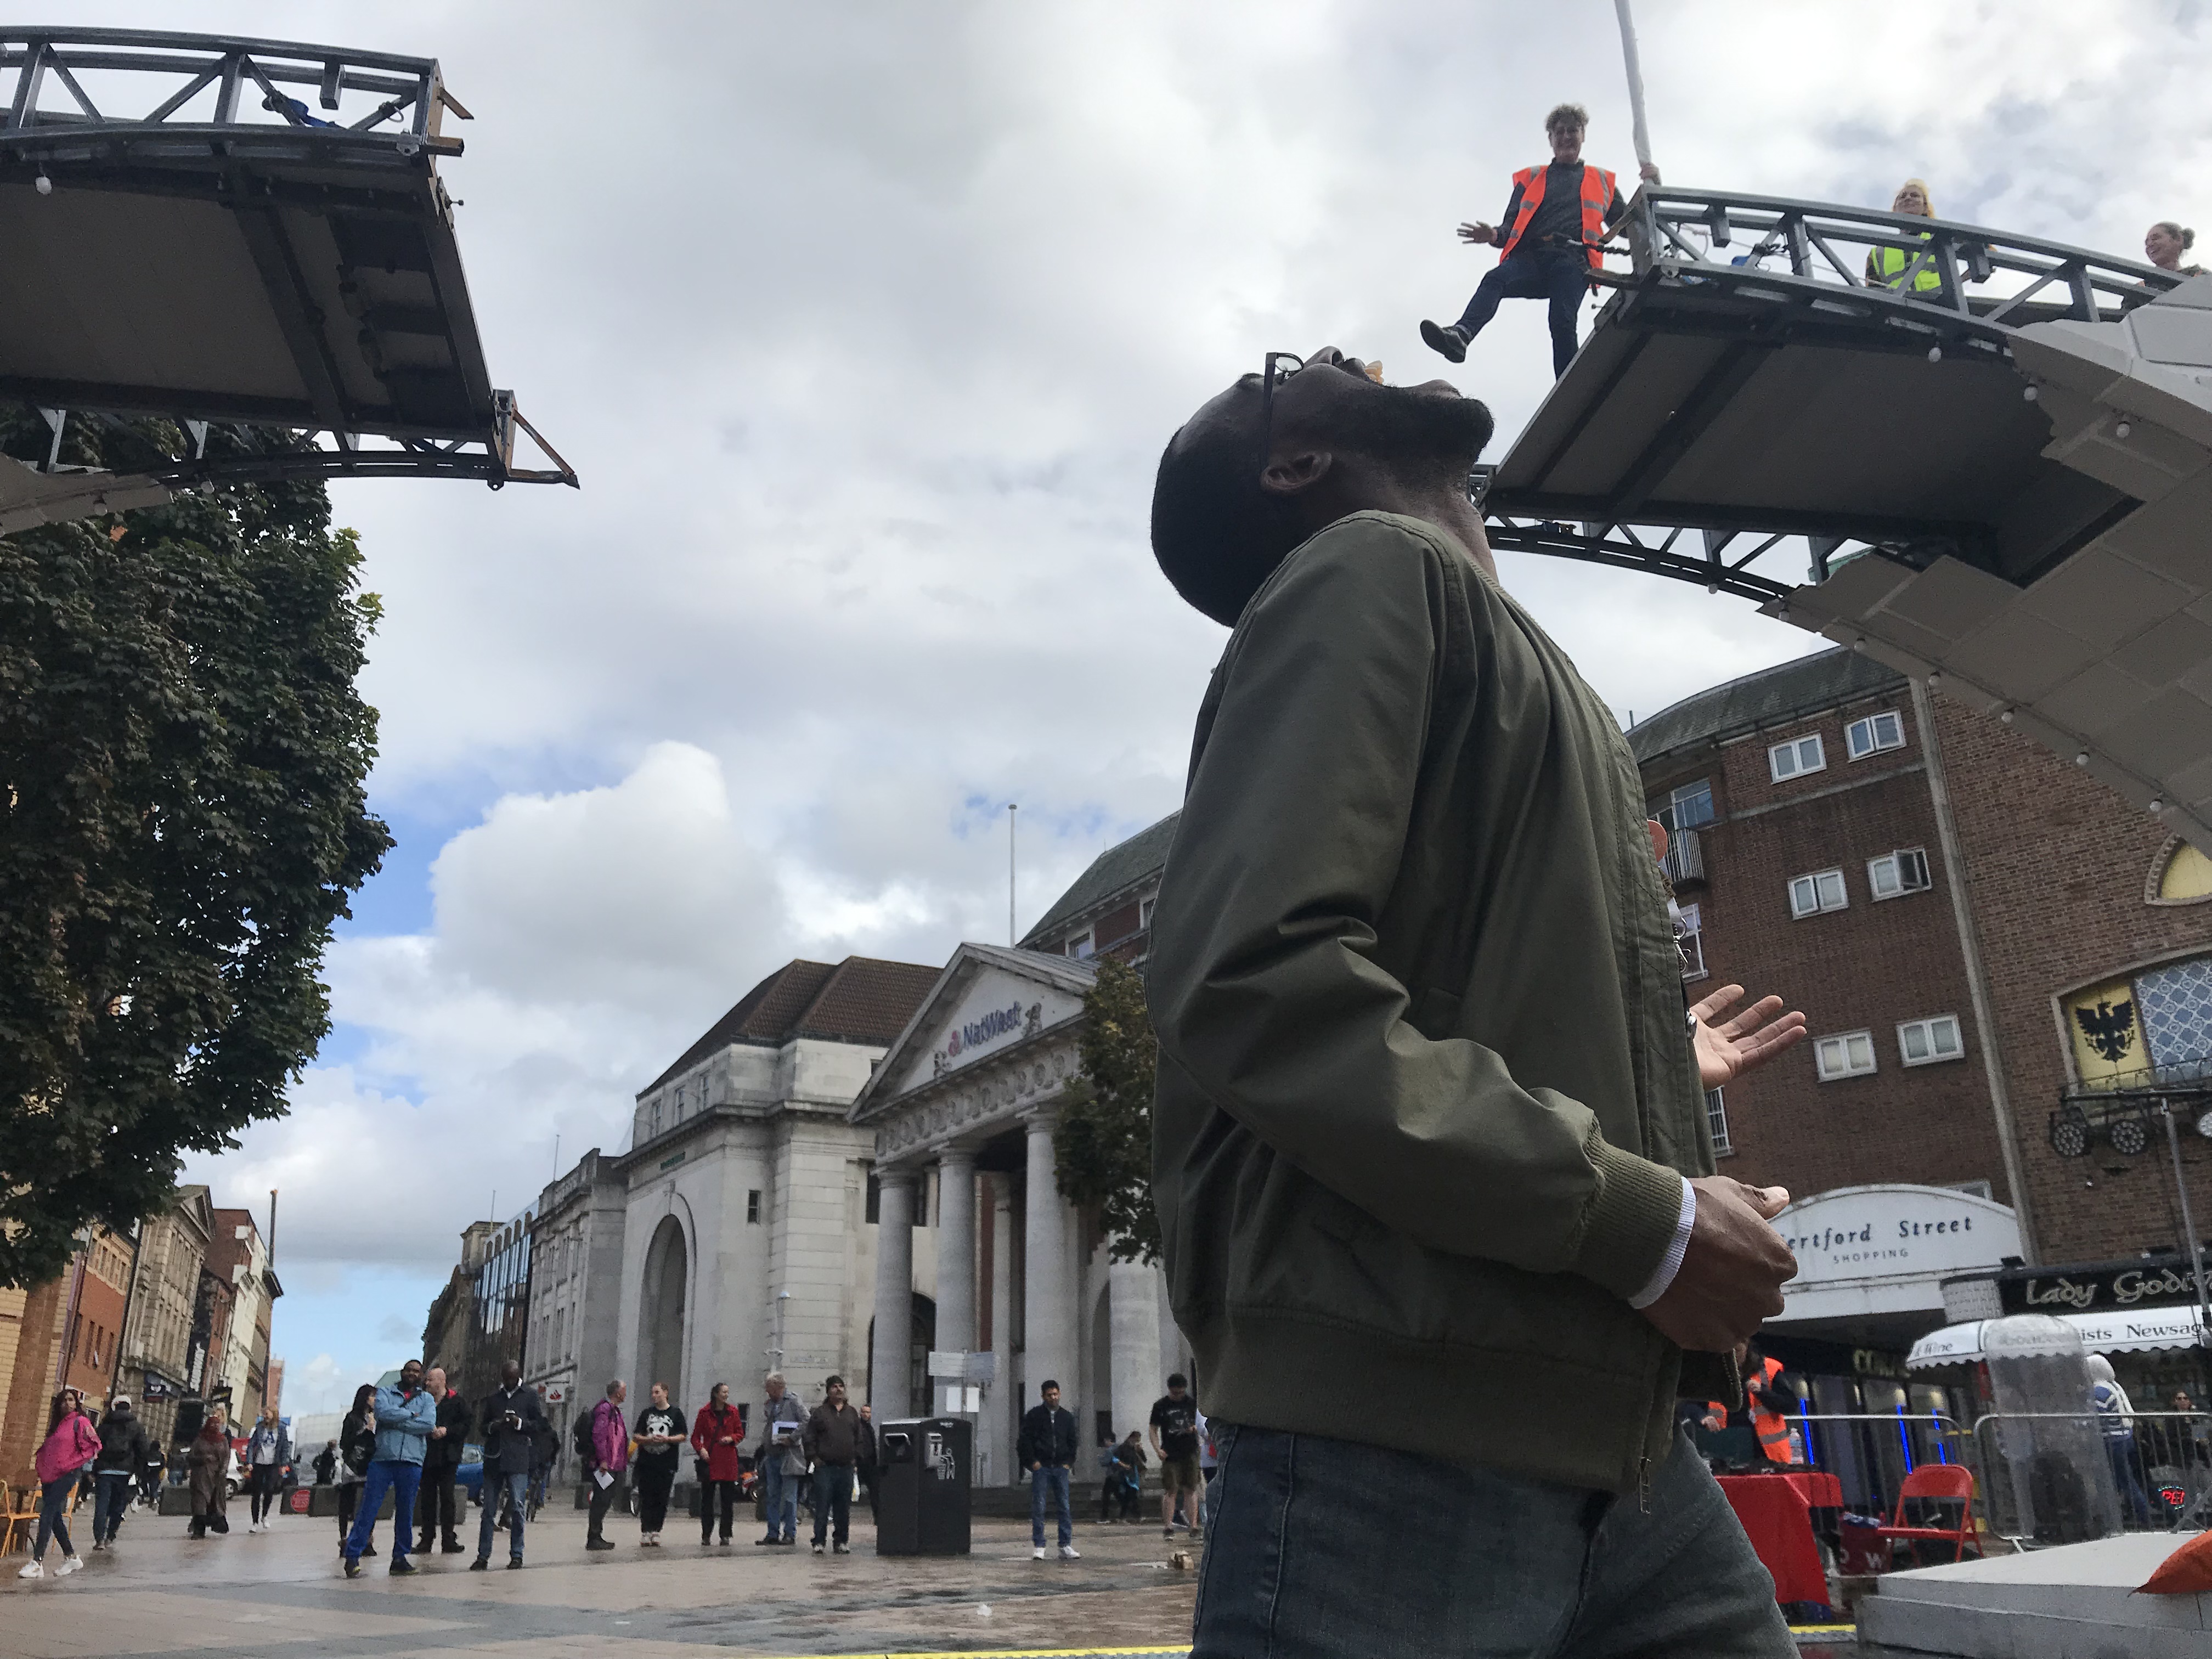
(1671, 1263)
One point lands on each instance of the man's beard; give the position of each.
(1420, 438)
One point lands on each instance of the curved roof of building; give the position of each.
(1770, 697)
(1120, 866)
(860, 1000)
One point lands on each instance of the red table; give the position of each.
(1779, 1524)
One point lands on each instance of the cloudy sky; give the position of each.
(865, 325)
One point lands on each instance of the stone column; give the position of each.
(1133, 1312)
(1048, 1301)
(889, 1359)
(1003, 1398)
(955, 1253)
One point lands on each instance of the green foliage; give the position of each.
(182, 817)
(1102, 1144)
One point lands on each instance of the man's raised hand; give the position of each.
(1726, 1050)
(1478, 233)
(1733, 1273)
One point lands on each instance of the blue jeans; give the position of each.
(780, 1492)
(1049, 1482)
(402, 1480)
(517, 1487)
(1558, 275)
(111, 1501)
(1296, 1567)
(53, 1515)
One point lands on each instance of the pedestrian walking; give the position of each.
(356, 1445)
(609, 1458)
(2115, 1419)
(1175, 1443)
(150, 1474)
(326, 1466)
(545, 1454)
(207, 1463)
(780, 1461)
(836, 1439)
(268, 1449)
(405, 1414)
(718, 1437)
(441, 1465)
(72, 1444)
(658, 1439)
(514, 1424)
(1047, 1450)
(872, 1467)
(1427, 1090)
(124, 1448)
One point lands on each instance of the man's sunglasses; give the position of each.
(1271, 374)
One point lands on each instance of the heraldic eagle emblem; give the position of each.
(2110, 1028)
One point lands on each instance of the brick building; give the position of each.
(64, 1333)
(157, 1333)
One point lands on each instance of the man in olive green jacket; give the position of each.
(1429, 1146)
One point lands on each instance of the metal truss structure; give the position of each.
(189, 239)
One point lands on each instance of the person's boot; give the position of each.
(451, 1547)
(596, 1542)
(481, 1564)
(1446, 340)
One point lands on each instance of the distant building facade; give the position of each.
(158, 1352)
(575, 1287)
(481, 1320)
(238, 1253)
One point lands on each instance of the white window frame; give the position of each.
(1928, 1028)
(1716, 1122)
(1691, 942)
(1696, 786)
(1081, 946)
(1870, 725)
(1840, 1043)
(1823, 898)
(1898, 866)
(1795, 749)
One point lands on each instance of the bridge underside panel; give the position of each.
(297, 290)
(1666, 417)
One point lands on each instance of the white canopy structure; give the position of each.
(2102, 1333)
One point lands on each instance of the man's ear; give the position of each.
(1296, 473)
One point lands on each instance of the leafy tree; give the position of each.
(182, 818)
(1102, 1145)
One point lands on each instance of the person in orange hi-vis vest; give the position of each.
(1547, 242)
(1772, 1406)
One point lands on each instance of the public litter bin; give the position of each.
(921, 1498)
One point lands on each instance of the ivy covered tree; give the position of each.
(183, 816)
(1102, 1144)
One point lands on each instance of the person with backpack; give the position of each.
(125, 1447)
(72, 1444)
(603, 1440)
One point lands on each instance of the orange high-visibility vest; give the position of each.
(1773, 1430)
(1597, 195)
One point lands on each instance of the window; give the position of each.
(1144, 916)
(1079, 947)
(1895, 874)
(1797, 757)
(875, 1201)
(1873, 734)
(1686, 807)
(1690, 940)
(1849, 1055)
(1716, 1123)
(752, 1206)
(1821, 890)
(1926, 1041)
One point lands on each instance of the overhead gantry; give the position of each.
(1995, 468)
(243, 234)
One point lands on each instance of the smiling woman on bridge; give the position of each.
(1885, 267)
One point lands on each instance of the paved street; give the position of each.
(279, 1594)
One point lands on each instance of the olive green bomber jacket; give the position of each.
(1424, 1077)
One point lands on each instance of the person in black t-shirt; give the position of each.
(659, 1435)
(1544, 241)
(1174, 1441)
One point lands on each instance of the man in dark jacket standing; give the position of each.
(1429, 1121)
(1046, 1448)
(839, 1443)
(126, 1447)
(433, 1509)
(512, 1427)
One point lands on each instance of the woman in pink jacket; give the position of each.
(72, 1441)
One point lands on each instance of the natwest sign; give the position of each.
(1886, 1248)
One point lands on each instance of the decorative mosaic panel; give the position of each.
(2177, 1012)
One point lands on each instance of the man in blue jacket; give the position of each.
(405, 1414)
(1047, 1450)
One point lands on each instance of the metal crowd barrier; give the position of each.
(1870, 1453)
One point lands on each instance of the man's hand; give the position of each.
(1726, 1051)
(1478, 233)
(1732, 1274)
(437, 1434)
(1649, 172)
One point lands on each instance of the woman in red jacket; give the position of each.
(717, 1433)
(71, 1441)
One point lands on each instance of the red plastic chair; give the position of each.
(1940, 1480)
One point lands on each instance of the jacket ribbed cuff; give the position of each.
(1632, 1220)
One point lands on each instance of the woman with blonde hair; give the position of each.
(1885, 267)
(2164, 244)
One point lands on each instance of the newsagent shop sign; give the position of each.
(1887, 1248)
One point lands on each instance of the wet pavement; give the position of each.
(279, 1596)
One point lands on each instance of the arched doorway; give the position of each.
(660, 1330)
